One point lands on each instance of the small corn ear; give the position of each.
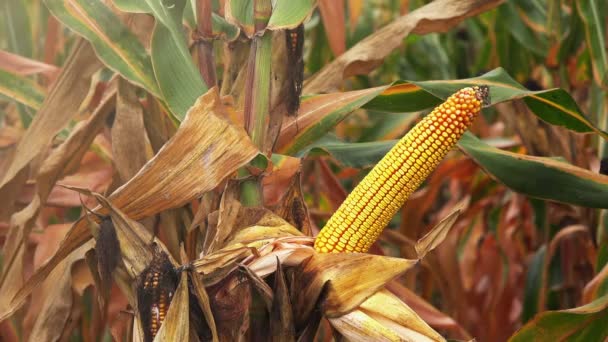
(357, 224)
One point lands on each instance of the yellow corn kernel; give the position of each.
(367, 210)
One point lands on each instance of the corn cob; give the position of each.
(155, 289)
(367, 210)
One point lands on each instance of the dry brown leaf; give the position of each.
(332, 13)
(26, 66)
(204, 303)
(281, 314)
(355, 7)
(227, 215)
(277, 181)
(158, 125)
(429, 313)
(215, 266)
(389, 310)
(11, 285)
(266, 228)
(231, 309)
(60, 159)
(357, 326)
(204, 151)
(57, 307)
(128, 133)
(62, 103)
(293, 208)
(368, 54)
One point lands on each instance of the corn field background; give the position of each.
(165, 167)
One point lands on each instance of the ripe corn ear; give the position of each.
(367, 210)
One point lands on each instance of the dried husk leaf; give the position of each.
(204, 303)
(291, 251)
(231, 309)
(216, 266)
(176, 326)
(358, 326)
(281, 314)
(349, 278)
(259, 285)
(269, 227)
(390, 311)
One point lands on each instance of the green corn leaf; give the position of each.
(539, 177)
(115, 45)
(592, 12)
(290, 13)
(178, 78)
(554, 106)
(21, 89)
(584, 323)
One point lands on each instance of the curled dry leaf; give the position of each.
(204, 151)
(438, 233)
(437, 16)
(279, 178)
